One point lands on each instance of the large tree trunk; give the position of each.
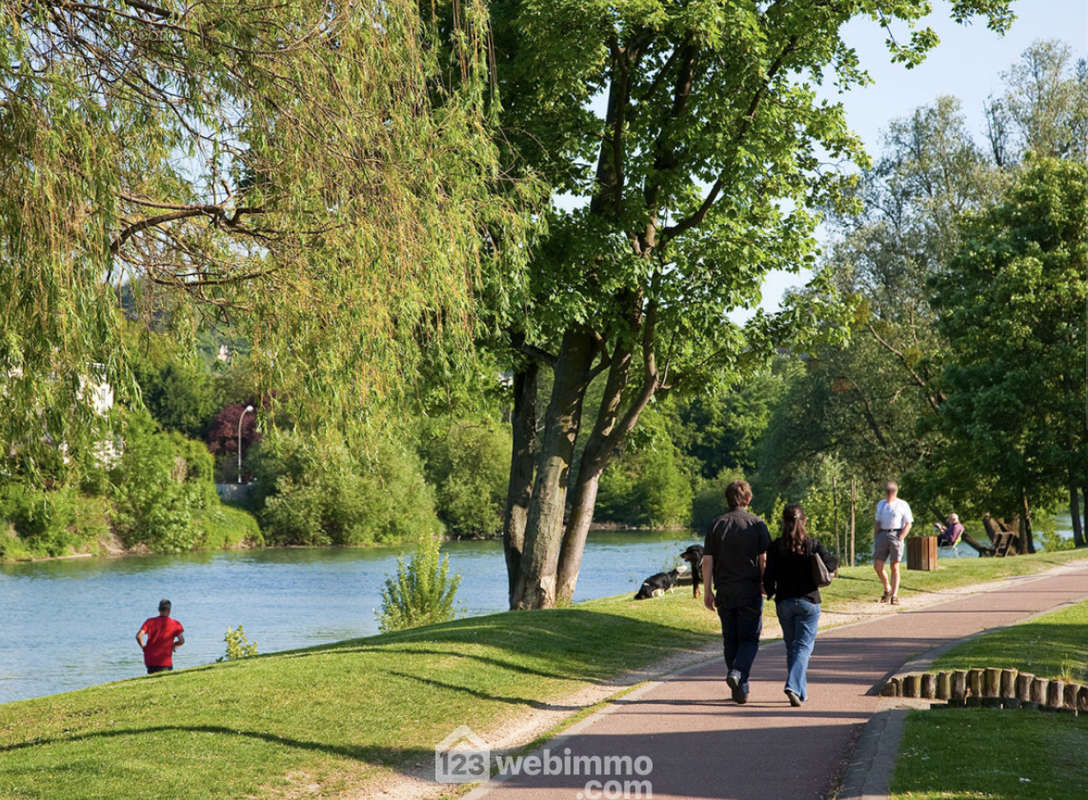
(613, 425)
(535, 585)
(1074, 514)
(520, 486)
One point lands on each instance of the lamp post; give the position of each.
(241, 417)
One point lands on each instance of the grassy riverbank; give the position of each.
(220, 527)
(997, 754)
(331, 717)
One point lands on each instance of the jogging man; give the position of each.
(163, 636)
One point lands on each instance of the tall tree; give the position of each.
(1012, 306)
(305, 170)
(691, 184)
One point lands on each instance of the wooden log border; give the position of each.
(990, 686)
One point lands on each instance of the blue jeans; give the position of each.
(798, 618)
(741, 627)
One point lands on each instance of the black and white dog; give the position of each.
(657, 584)
(694, 556)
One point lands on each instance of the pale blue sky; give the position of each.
(967, 64)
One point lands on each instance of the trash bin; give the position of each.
(921, 552)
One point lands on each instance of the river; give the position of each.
(71, 623)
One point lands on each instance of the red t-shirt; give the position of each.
(159, 650)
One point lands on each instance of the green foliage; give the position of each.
(201, 151)
(1052, 541)
(163, 483)
(43, 523)
(422, 591)
(649, 484)
(1012, 308)
(466, 461)
(43, 520)
(179, 391)
(238, 646)
(878, 405)
(323, 489)
(710, 501)
(224, 528)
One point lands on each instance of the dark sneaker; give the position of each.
(795, 701)
(741, 695)
(733, 681)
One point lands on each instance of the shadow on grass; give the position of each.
(483, 695)
(385, 756)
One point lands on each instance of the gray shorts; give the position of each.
(889, 547)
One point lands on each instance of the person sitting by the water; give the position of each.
(949, 536)
(164, 636)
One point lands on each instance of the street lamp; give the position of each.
(241, 417)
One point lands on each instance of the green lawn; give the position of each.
(334, 715)
(992, 754)
(1051, 646)
(996, 754)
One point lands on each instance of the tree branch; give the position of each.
(934, 402)
(697, 216)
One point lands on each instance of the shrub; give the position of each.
(316, 489)
(223, 527)
(646, 488)
(43, 520)
(421, 592)
(163, 481)
(1053, 541)
(467, 463)
(238, 646)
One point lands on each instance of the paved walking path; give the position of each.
(704, 746)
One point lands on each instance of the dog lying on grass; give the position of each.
(657, 584)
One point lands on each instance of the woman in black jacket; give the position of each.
(789, 579)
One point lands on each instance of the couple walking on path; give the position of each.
(740, 566)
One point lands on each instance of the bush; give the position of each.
(647, 484)
(422, 591)
(315, 490)
(1053, 541)
(238, 646)
(467, 463)
(162, 484)
(647, 489)
(223, 527)
(44, 521)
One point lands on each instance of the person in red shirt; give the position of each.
(164, 636)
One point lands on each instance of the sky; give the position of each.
(966, 64)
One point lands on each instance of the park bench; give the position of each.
(1003, 541)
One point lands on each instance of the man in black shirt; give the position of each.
(733, 563)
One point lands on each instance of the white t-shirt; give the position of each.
(894, 515)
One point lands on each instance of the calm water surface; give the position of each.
(72, 623)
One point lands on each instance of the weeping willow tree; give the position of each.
(320, 175)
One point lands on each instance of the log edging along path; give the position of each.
(704, 746)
